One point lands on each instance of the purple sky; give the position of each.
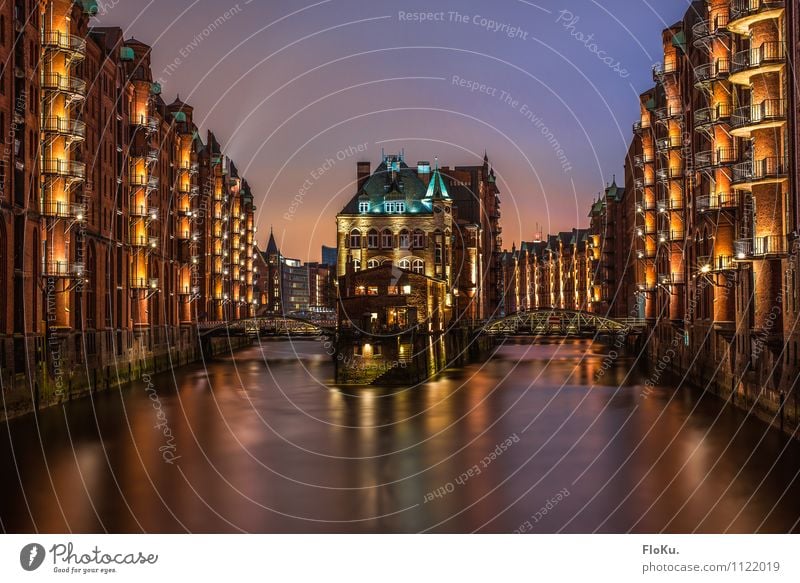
(288, 85)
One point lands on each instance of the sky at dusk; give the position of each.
(299, 91)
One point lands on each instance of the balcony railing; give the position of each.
(706, 30)
(147, 122)
(715, 158)
(69, 127)
(675, 278)
(64, 210)
(710, 264)
(150, 155)
(640, 160)
(716, 70)
(667, 174)
(768, 111)
(670, 235)
(760, 170)
(143, 181)
(150, 283)
(638, 127)
(643, 182)
(745, 8)
(662, 70)
(672, 204)
(144, 241)
(63, 268)
(669, 143)
(767, 54)
(709, 116)
(760, 246)
(721, 200)
(668, 113)
(64, 83)
(64, 42)
(66, 168)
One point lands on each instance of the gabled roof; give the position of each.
(392, 180)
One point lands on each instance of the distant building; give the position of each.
(329, 256)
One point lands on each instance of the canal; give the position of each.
(540, 438)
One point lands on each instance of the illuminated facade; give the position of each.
(102, 237)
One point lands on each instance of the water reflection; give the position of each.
(266, 443)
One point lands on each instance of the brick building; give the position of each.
(113, 250)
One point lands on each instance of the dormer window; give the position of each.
(363, 207)
(394, 207)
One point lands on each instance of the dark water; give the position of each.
(525, 441)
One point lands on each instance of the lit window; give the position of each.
(404, 264)
(405, 239)
(373, 263)
(355, 239)
(372, 290)
(393, 290)
(418, 266)
(387, 239)
(372, 239)
(363, 207)
(356, 264)
(405, 290)
(361, 290)
(419, 239)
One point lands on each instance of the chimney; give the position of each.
(363, 172)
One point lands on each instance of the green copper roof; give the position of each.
(679, 41)
(126, 54)
(179, 116)
(90, 7)
(651, 104)
(155, 88)
(436, 187)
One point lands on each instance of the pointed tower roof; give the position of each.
(272, 247)
(436, 187)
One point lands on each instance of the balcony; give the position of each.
(143, 181)
(639, 127)
(770, 57)
(148, 212)
(144, 241)
(667, 174)
(643, 182)
(672, 204)
(71, 128)
(769, 113)
(146, 122)
(676, 278)
(749, 174)
(63, 269)
(711, 159)
(717, 70)
(63, 83)
(670, 143)
(760, 247)
(64, 168)
(187, 235)
(75, 46)
(705, 31)
(640, 160)
(671, 235)
(745, 13)
(150, 283)
(64, 210)
(150, 155)
(664, 71)
(665, 114)
(711, 264)
(708, 117)
(719, 201)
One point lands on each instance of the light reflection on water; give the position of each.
(268, 444)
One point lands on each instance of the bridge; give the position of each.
(269, 326)
(561, 323)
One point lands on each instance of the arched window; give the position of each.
(404, 239)
(356, 264)
(418, 266)
(373, 263)
(372, 239)
(419, 239)
(387, 241)
(405, 263)
(355, 239)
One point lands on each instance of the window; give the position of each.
(372, 290)
(404, 239)
(386, 239)
(393, 290)
(372, 239)
(418, 266)
(394, 207)
(404, 264)
(361, 290)
(363, 207)
(373, 263)
(355, 239)
(356, 264)
(405, 290)
(419, 239)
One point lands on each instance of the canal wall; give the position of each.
(75, 368)
(761, 384)
(403, 359)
